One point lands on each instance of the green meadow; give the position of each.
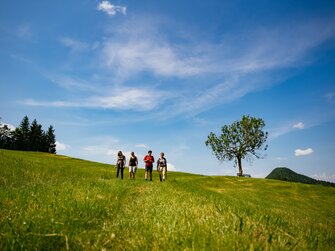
(53, 202)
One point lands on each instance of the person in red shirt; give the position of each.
(148, 160)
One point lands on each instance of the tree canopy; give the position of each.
(242, 139)
(28, 137)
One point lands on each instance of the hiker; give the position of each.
(162, 167)
(149, 160)
(120, 164)
(133, 163)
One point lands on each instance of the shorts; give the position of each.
(148, 169)
(132, 169)
(161, 168)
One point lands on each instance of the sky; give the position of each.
(161, 75)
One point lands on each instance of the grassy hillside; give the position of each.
(53, 202)
(285, 174)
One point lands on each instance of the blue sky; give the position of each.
(161, 75)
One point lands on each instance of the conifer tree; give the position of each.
(21, 135)
(51, 140)
(35, 137)
(28, 137)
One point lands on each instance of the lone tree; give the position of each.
(241, 140)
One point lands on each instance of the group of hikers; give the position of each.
(149, 163)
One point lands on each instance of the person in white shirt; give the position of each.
(162, 167)
(120, 164)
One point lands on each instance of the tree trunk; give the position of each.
(239, 162)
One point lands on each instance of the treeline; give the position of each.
(28, 137)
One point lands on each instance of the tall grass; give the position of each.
(53, 202)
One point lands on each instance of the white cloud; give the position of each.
(111, 9)
(141, 146)
(299, 125)
(325, 177)
(138, 99)
(32, 102)
(286, 128)
(303, 152)
(111, 152)
(214, 73)
(171, 167)
(241, 67)
(61, 146)
(148, 55)
(10, 126)
(73, 43)
(133, 49)
(74, 83)
(121, 99)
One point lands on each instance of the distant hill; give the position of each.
(286, 174)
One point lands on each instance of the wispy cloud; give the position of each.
(303, 152)
(101, 145)
(32, 102)
(299, 125)
(279, 131)
(148, 56)
(325, 177)
(286, 128)
(121, 98)
(207, 98)
(219, 72)
(212, 73)
(266, 49)
(141, 146)
(75, 84)
(25, 32)
(106, 147)
(138, 99)
(111, 9)
(73, 44)
(99, 150)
